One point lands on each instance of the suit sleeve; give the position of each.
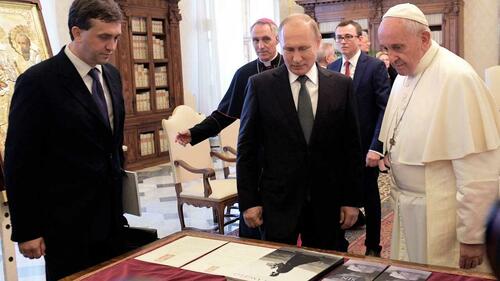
(354, 159)
(211, 126)
(247, 166)
(24, 148)
(382, 89)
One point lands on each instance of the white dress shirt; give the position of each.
(311, 84)
(83, 69)
(353, 61)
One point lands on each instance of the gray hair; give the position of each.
(268, 22)
(324, 50)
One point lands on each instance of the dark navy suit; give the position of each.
(371, 88)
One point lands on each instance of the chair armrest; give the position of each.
(208, 173)
(222, 157)
(230, 150)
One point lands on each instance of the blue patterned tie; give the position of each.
(304, 109)
(98, 94)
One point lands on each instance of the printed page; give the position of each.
(181, 251)
(287, 264)
(227, 258)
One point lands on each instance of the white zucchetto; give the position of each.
(407, 11)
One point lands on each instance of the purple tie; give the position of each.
(98, 94)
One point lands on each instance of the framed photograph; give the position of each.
(23, 43)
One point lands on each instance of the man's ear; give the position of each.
(76, 32)
(426, 38)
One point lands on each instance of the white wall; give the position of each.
(482, 34)
(56, 22)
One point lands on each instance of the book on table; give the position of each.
(224, 260)
(356, 270)
(287, 264)
(396, 273)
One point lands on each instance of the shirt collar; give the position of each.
(82, 67)
(427, 58)
(353, 60)
(312, 74)
(270, 62)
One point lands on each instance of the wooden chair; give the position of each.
(228, 143)
(192, 163)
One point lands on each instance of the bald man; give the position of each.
(296, 120)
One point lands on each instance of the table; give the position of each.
(125, 266)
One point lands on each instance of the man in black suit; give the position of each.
(64, 158)
(265, 38)
(297, 121)
(372, 88)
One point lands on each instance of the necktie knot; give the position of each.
(302, 79)
(94, 73)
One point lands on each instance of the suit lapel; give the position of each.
(75, 86)
(337, 65)
(283, 94)
(114, 92)
(322, 107)
(359, 71)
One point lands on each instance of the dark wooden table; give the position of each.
(460, 274)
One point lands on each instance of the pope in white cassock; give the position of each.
(441, 133)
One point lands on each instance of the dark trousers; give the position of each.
(314, 231)
(247, 232)
(66, 257)
(371, 202)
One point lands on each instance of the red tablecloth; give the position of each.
(136, 270)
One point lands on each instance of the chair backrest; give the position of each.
(492, 79)
(229, 137)
(198, 156)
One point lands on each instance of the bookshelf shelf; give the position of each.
(149, 59)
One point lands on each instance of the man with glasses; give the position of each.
(371, 88)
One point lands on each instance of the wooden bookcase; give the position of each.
(449, 14)
(149, 58)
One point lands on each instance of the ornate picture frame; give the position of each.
(23, 43)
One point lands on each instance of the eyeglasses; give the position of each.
(347, 37)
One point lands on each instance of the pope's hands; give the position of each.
(471, 255)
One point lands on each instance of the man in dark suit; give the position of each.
(265, 38)
(297, 120)
(372, 88)
(64, 158)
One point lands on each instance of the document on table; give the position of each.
(227, 258)
(181, 251)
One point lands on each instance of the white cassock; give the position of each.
(445, 158)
